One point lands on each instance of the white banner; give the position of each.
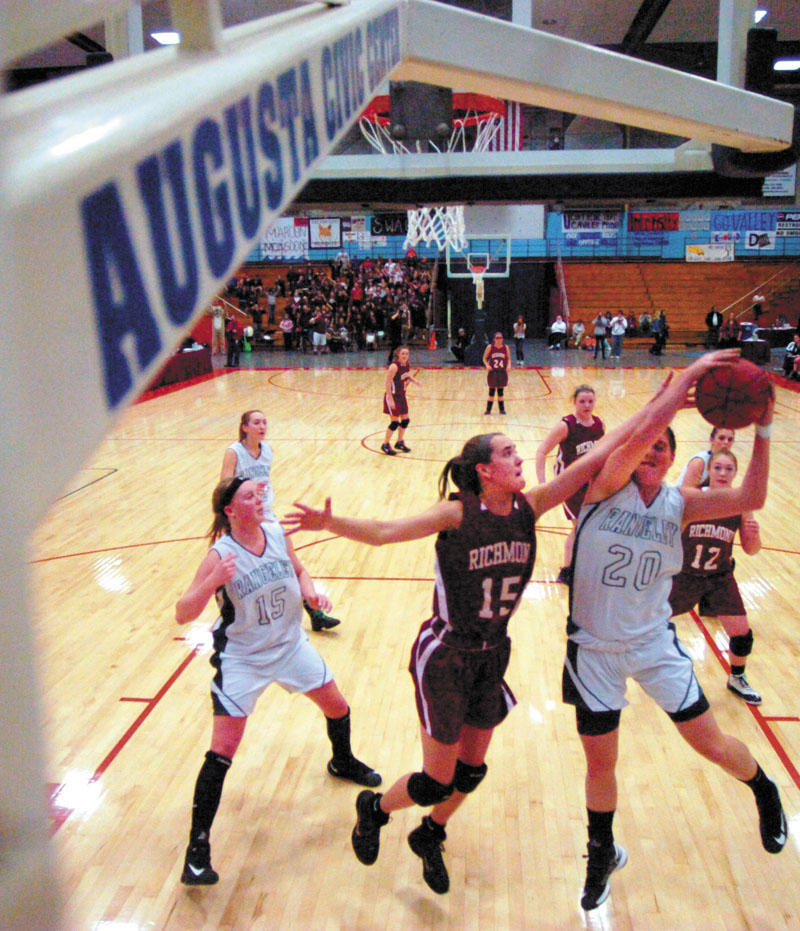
(710, 252)
(758, 239)
(287, 240)
(325, 233)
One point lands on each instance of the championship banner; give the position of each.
(324, 233)
(710, 252)
(287, 240)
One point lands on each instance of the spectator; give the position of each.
(645, 323)
(558, 333)
(599, 324)
(459, 345)
(729, 332)
(618, 327)
(714, 321)
(287, 327)
(578, 334)
(519, 338)
(272, 303)
(792, 358)
(660, 333)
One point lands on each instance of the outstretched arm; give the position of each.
(749, 496)
(444, 515)
(623, 461)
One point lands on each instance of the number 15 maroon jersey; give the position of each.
(481, 571)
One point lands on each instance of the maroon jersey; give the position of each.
(481, 571)
(498, 359)
(398, 396)
(708, 545)
(579, 440)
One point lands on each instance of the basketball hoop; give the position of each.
(440, 225)
(478, 112)
(477, 272)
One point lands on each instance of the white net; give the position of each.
(440, 225)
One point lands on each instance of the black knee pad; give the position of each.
(742, 644)
(467, 778)
(491, 392)
(394, 425)
(424, 790)
(500, 392)
(405, 423)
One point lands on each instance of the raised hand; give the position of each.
(307, 518)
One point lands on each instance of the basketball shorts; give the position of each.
(497, 378)
(572, 505)
(319, 339)
(597, 680)
(400, 406)
(458, 687)
(720, 591)
(239, 681)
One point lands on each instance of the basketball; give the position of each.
(248, 331)
(733, 396)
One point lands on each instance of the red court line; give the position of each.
(762, 720)
(111, 549)
(59, 816)
(178, 386)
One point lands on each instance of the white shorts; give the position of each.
(597, 680)
(240, 681)
(319, 339)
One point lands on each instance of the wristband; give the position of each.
(763, 431)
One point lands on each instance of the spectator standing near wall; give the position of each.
(618, 327)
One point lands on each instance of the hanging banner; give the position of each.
(710, 252)
(755, 239)
(286, 240)
(654, 222)
(781, 184)
(389, 224)
(324, 233)
(743, 220)
(591, 227)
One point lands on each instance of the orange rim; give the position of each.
(475, 109)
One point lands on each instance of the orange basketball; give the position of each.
(734, 395)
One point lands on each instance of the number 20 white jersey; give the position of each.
(261, 608)
(626, 554)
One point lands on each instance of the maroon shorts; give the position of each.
(572, 506)
(721, 594)
(400, 406)
(458, 687)
(497, 378)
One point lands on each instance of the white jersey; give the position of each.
(625, 556)
(261, 608)
(258, 470)
(705, 455)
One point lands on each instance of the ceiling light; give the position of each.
(787, 64)
(166, 38)
(759, 15)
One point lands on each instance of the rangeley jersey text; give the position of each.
(642, 526)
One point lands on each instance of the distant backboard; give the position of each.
(491, 251)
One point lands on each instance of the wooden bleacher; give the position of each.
(685, 291)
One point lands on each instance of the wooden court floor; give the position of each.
(127, 715)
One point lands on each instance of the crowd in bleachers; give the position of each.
(350, 305)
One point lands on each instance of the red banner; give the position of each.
(653, 222)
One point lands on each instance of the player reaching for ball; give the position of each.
(627, 551)
(485, 551)
(707, 574)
